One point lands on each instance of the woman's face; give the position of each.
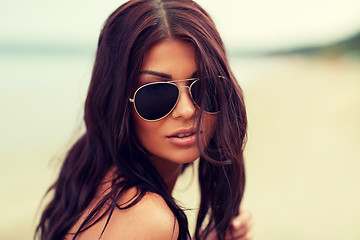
(172, 139)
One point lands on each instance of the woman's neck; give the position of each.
(169, 171)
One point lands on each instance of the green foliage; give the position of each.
(348, 47)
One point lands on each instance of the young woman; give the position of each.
(161, 96)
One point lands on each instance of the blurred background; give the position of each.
(298, 63)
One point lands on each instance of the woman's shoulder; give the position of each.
(150, 218)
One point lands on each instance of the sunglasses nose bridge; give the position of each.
(185, 106)
(184, 87)
(188, 87)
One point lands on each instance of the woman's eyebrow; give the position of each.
(163, 75)
(195, 74)
(159, 74)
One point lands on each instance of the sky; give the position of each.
(243, 24)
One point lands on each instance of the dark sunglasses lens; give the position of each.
(154, 101)
(205, 97)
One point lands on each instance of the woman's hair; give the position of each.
(110, 140)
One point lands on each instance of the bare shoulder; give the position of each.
(150, 218)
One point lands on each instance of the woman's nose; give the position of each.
(185, 107)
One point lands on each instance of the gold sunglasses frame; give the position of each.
(132, 100)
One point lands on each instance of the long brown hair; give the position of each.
(109, 138)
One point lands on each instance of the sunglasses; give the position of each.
(154, 101)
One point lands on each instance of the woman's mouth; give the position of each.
(183, 137)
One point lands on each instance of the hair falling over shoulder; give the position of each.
(109, 140)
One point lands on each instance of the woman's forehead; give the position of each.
(169, 59)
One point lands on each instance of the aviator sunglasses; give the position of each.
(154, 101)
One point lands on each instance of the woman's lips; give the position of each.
(183, 137)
